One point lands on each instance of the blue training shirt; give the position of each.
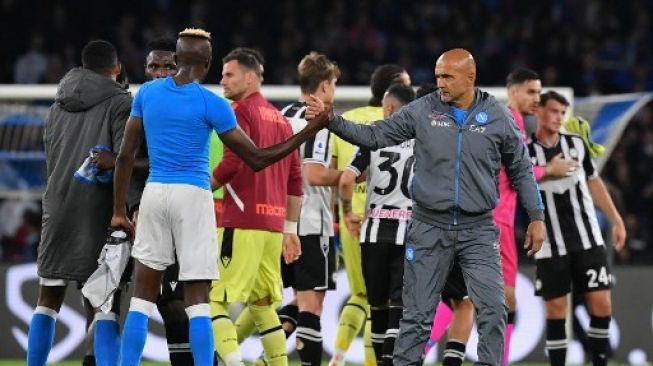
(178, 121)
(460, 115)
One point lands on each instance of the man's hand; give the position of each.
(292, 248)
(560, 167)
(103, 159)
(353, 223)
(121, 221)
(618, 236)
(535, 235)
(318, 113)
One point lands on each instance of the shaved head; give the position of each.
(459, 58)
(455, 73)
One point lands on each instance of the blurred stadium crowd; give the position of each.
(593, 46)
(596, 47)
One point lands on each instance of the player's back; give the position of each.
(389, 203)
(178, 120)
(390, 176)
(89, 110)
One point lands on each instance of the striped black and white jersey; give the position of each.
(316, 217)
(570, 216)
(388, 205)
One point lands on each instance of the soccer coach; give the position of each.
(462, 136)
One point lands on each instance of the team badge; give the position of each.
(410, 253)
(320, 148)
(573, 153)
(481, 118)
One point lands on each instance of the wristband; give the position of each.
(290, 227)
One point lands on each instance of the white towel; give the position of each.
(103, 283)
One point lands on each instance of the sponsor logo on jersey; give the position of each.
(270, 210)
(383, 213)
(439, 119)
(477, 128)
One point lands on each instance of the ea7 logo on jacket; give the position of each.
(476, 128)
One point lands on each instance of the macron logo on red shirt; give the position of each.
(270, 210)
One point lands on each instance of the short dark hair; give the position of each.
(99, 55)
(162, 44)
(381, 79)
(313, 69)
(520, 76)
(247, 57)
(426, 88)
(551, 94)
(403, 93)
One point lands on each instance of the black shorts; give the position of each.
(171, 287)
(455, 287)
(587, 270)
(315, 269)
(383, 271)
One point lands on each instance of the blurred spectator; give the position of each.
(20, 229)
(31, 65)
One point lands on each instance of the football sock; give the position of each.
(106, 343)
(288, 317)
(309, 339)
(378, 332)
(510, 327)
(272, 335)
(556, 341)
(40, 335)
(224, 334)
(454, 353)
(200, 335)
(135, 332)
(394, 316)
(597, 336)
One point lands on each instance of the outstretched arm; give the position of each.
(256, 158)
(391, 131)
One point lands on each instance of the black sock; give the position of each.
(454, 354)
(556, 341)
(177, 329)
(309, 339)
(394, 316)
(288, 317)
(597, 336)
(379, 318)
(89, 360)
(511, 317)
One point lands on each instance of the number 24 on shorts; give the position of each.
(597, 276)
